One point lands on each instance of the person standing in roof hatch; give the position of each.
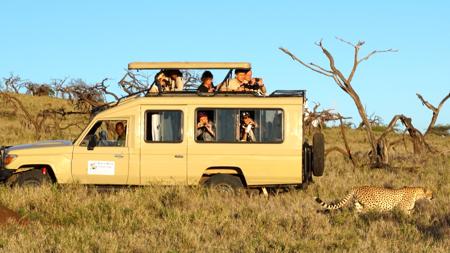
(236, 83)
(207, 83)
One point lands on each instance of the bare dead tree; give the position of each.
(132, 83)
(37, 121)
(374, 121)
(13, 83)
(104, 88)
(58, 86)
(84, 96)
(316, 119)
(347, 153)
(419, 144)
(434, 109)
(60, 119)
(345, 83)
(46, 120)
(192, 79)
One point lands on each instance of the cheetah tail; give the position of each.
(340, 204)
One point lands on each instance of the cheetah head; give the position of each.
(426, 194)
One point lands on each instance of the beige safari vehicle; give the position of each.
(159, 139)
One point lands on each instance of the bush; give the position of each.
(442, 130)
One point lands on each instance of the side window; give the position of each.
(107, 133)
(163, 126)
(205, 129)
(271, 125)
(239, 125)
(227, 125)
(216, 125)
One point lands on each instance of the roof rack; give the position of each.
(194, 92)
(188, 65)
(288, 93)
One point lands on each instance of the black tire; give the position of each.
(318, 154)
(307, 164)
(224, 183)
(32, 178)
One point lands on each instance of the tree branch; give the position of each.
(433, 109)
(377, 52)
(426, 103)
(312, 67)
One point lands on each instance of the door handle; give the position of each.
(178, 156)
(118, 156)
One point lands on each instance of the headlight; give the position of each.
(9, 159)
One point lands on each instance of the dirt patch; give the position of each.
(8, 215)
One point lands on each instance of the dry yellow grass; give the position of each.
(181, 219)
(15, 129)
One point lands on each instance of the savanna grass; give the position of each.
(76, 218)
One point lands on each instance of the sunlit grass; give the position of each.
(76, 218)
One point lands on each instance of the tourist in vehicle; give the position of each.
(167, 80)
(248, 126)
(206, 131)
(254, 84)
(175, 79)
(207, 83)
(160, 83)
(121, 134)
(236, 83)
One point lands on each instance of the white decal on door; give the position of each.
(107, 168)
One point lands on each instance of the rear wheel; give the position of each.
(224, 183)
(32, 178)
(318, 154)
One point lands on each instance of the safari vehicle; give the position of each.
(159, 142)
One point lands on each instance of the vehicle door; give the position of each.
(103, 155)
(164, 148)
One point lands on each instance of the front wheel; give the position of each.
(224, 183)
(32, 178)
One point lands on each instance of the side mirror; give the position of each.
(92, 142)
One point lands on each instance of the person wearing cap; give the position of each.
(247, 127)
(205, 128)
(207, 83)
(236, 83)
(254, 84)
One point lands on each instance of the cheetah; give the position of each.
(367, 198)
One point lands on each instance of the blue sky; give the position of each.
(43, 40)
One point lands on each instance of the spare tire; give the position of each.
(318, 154)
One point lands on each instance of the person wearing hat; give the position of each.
(205, 128)
(247, 127)
(207, 83)
(237, 83)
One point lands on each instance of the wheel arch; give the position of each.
(228, 170)
(44, 167)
